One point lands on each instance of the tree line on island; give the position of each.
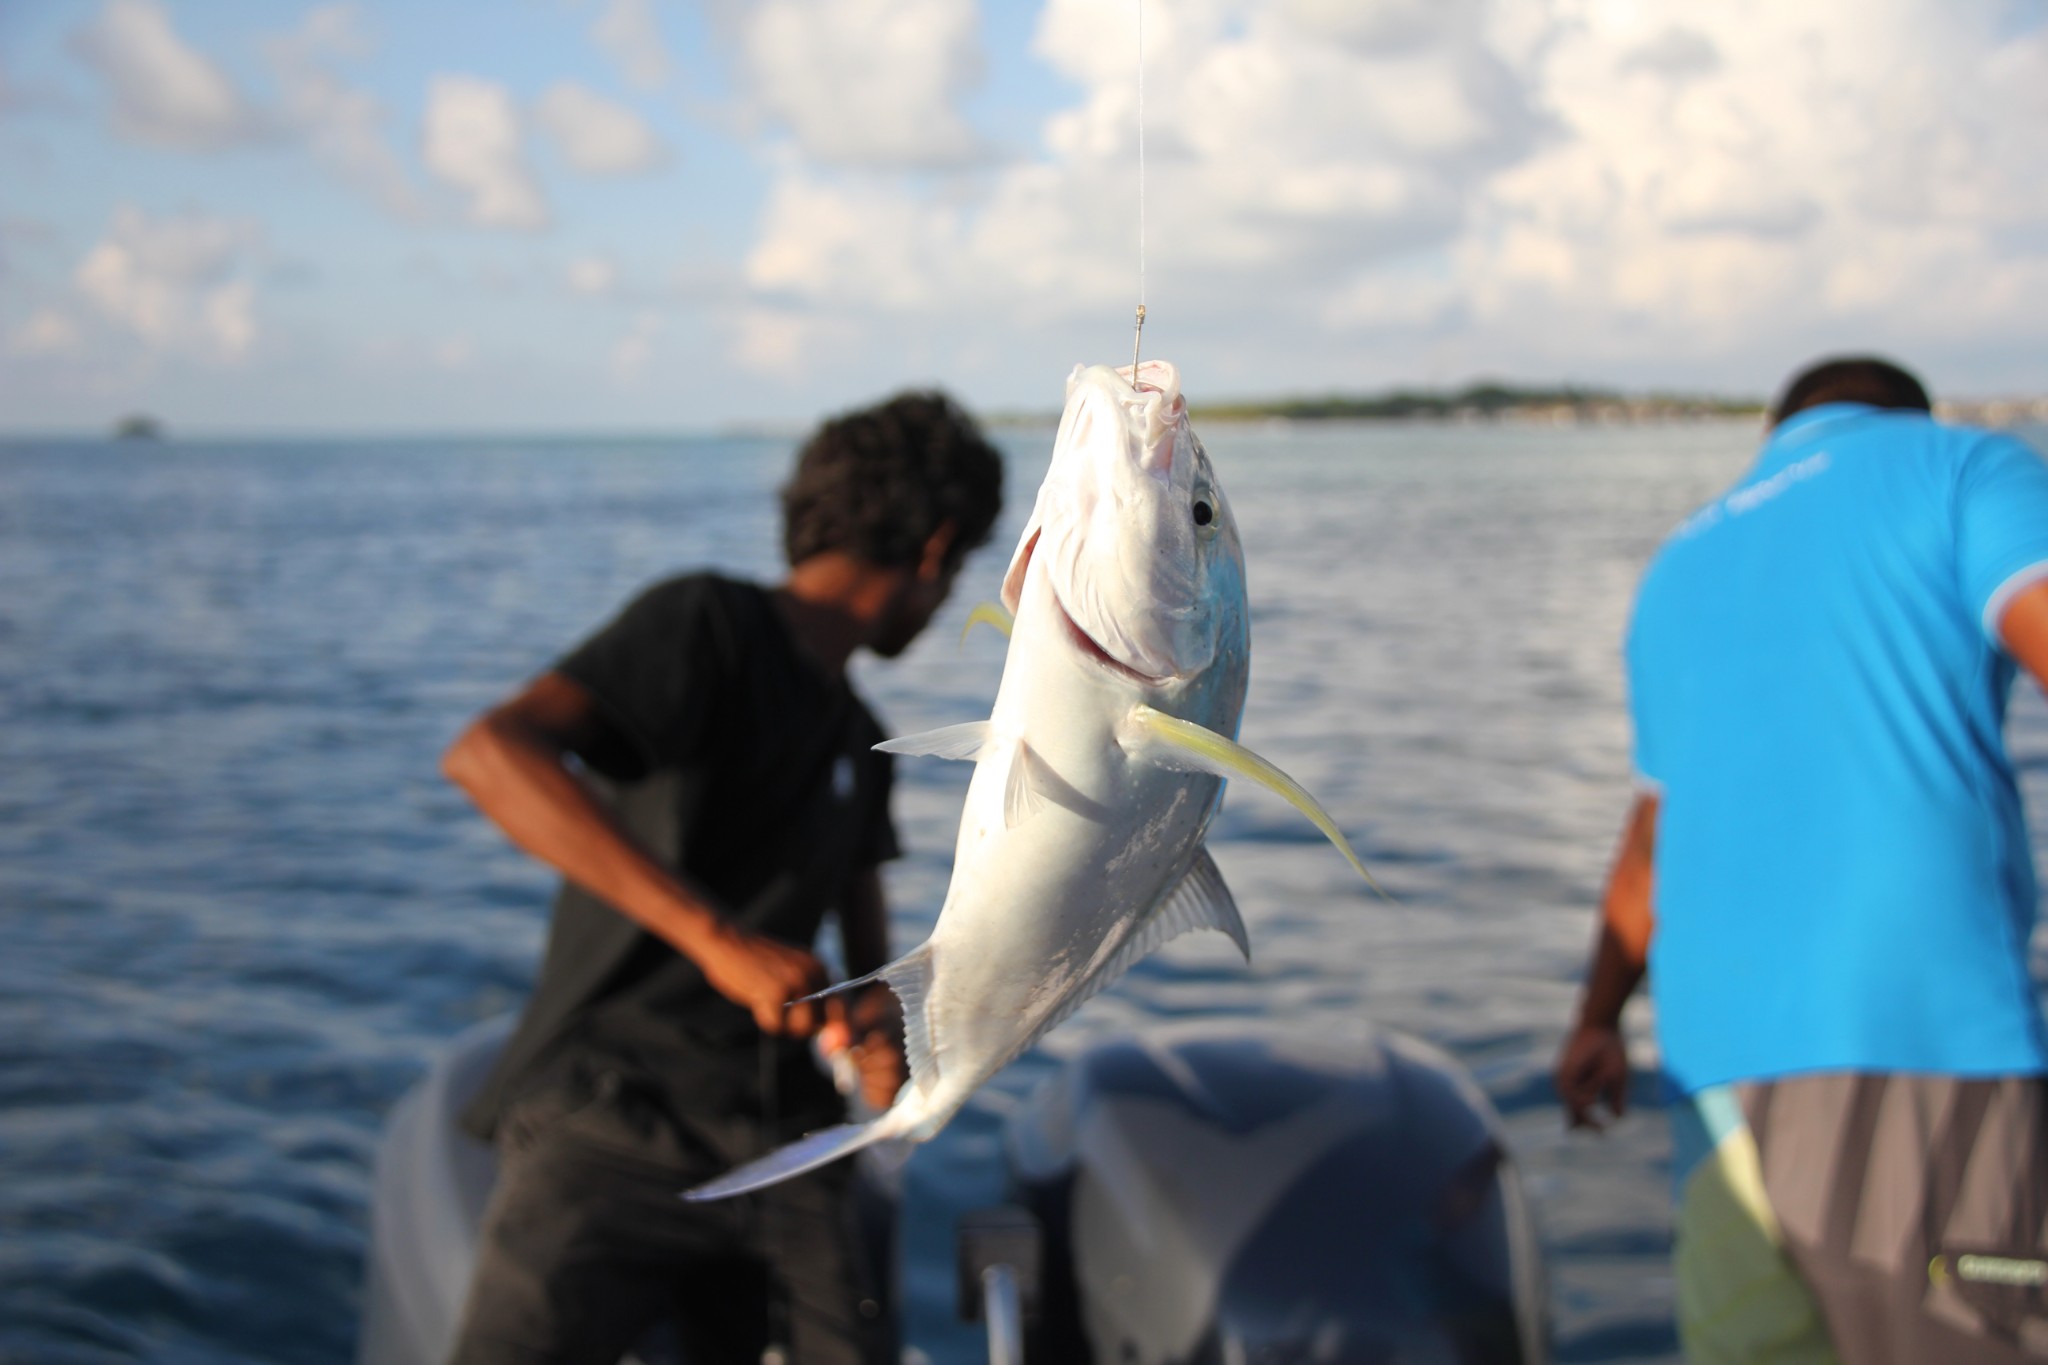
(1484, 401)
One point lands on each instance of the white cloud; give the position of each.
(597, 136)
(472, 139)
(227, 317)
(345, 127)
(1382, 299)
(773, 341)
(179, 284)
(1832, 169)
(1277, 156)
(635, 348)
(869, 245)
(17, 98)
(593, 275)
(874, 83)
(1676, 54)
(48, 332)
(629, 34)
(1524, 185)
(1385, 26)
(165, 93)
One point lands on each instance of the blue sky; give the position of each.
(657, 215)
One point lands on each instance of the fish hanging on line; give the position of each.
(1080, 847)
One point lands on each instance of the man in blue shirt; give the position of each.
(1829, 843)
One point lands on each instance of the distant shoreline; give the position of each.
(1481, 402)
(1488, 403)
(1478, 404)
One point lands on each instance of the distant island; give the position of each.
(1545, 405)
(138, 426)
(1484, 401)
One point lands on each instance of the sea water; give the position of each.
(242, 912)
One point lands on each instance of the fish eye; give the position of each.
(1204, 513)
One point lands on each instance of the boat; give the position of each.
(1192, 1195)
(427, 1196)
(428, 1189)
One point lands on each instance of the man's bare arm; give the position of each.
(513, 763)
(2024, 628)
(1593, 1065)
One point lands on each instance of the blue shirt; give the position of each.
(1842, 874)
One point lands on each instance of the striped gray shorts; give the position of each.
(1913, 1209)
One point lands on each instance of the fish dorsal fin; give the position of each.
(1171, 742)
(948, 741)
(1022, 798)
(1200, 900)
(988, 614)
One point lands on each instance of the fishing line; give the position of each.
(775, 1239)
(1138, 334)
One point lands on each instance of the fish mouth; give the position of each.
(1086, 645)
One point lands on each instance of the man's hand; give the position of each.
(869, 1029)
(1591, 1067)
(764, 975)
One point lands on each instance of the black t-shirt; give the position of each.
(739, 761)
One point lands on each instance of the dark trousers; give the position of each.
(586, 1243)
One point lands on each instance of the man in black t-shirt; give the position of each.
(703, 775)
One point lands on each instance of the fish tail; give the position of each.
(805, 1154)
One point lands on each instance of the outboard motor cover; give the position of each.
(1253, 1197)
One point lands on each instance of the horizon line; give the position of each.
(2031, 409)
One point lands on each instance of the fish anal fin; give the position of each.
(1023, 794)
(1152, 735)
(910, 977)
(948, 741)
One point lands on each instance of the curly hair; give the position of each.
(877, 483)
(1851, 379)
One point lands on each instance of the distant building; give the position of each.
(1994, 412)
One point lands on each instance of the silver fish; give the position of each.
(1080, 847)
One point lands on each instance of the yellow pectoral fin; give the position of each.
(1176, 743)
(987, 614)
